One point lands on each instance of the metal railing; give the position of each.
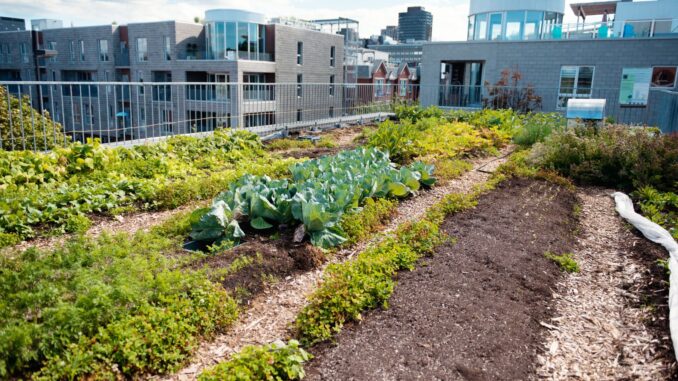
(56, 113)
(612, 29)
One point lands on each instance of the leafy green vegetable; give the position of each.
(319, 193)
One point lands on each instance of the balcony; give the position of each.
(122, 58)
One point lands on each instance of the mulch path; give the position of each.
(473, 310)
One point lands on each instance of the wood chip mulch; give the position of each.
(599, 330)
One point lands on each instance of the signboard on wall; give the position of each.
(635, 86)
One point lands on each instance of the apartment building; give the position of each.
(622, 51)
(172, 77)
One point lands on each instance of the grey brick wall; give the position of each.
(315, 69)
(540, 63)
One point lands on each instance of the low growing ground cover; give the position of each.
(56, 190)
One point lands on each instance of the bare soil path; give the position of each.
(608, 325)
(269, 315)
(472, 311)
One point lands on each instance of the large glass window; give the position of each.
(494, 29)
(533, 25)
(142, 50)
(243, 36)
(514, 25)
(481, 27)
(262, 41)
(219, 36)
(575, 82)
(231, 40)
(82, 50)
(254, 41)
(550, 25)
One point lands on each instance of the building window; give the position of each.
(481, 27)
(300, 80)
(24, 52)
(494, 27)
(300, 53)
(299, 115)
(332, 56)
(575, 82)
(331, 112)
(168, 49)
(167, 126)
(82, 51)
(73, 50)
(403, 87)
(140, 78)
(142, 50)
(663, 77)
(379, 87)
(103, 50)
(331, 85)
(52, 45)
(514, 25)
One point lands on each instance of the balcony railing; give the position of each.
(612, 29)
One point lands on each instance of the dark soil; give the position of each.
(472, 311)
(654, 290)
(272, 260)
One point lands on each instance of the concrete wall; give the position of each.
(540, 63)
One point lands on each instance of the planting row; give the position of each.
(317, 196)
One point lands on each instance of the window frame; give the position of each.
(167, 48)
(333, 56)
(300, 88)
(82, 51)
(140, 57)
(103, 55)
(402, 87)
(575, 87)
(300, 53)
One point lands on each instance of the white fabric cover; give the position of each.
(657, 234)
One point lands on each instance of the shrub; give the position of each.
(565, 261)
(275, 361)
(618, 157)
(661, 208)
(536, 127)
(507, 93)
(30, 129)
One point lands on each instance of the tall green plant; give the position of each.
(23, 127)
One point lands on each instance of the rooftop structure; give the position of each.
(11, 24)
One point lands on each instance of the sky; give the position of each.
(449, 16)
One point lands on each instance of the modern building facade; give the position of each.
(409, 53)
(632, 69)
(11, 24)
(391, 31)
(238, 55)
(415, 25)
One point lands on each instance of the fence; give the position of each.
(131, 113)
(652, 112)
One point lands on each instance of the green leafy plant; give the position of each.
(23, 127)
(319, 193)
(565, 261)
(276, 361)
